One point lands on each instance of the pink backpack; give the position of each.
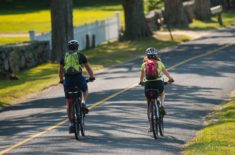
(151, 72)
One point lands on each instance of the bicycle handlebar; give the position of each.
(165, 83)
(88, 79)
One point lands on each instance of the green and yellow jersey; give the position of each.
(161, 66)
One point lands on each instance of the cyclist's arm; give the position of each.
(142, 76)
(164, 70)
(142, 73)
(89, 70)
(61, 72)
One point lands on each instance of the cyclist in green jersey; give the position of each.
(157, 83)
(70, 74)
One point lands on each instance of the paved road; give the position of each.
(119, 125)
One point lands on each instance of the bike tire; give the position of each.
(82, 122)
(160, 120)
(76, 110)
(154, 120)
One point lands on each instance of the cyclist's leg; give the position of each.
(67, 84)
(162, 97)
(82, 85)
(84, 95)
(159, 84)
(69, 109)
(147, 86)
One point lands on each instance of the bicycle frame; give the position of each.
(76, 113)
(154, 116)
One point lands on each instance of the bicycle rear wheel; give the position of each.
(154, 120)
(76, 120)
(160, 120)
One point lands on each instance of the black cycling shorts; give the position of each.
(158, 84)
(75, 80)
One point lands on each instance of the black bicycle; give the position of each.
(77, 114)
(155, 114)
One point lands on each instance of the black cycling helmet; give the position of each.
(151, 52)
(73, 45)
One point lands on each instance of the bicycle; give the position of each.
(77, 114)
(155, 115)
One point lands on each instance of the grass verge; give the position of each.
(8, 40)
(43, 76)
(40, 20)
(228, 20)
(31, 81)
(218, 137)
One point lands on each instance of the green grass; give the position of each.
(40, 20)
(8, 40)
(43, 76)
(23, 18)
(31, 81)
(219, 136)
(228, 20)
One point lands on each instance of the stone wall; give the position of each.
(17, 57)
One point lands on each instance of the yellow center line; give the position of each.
(199, 56)
(32, 137)
(8, 149)
(109, 97)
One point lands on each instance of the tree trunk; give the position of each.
(135, 24)
(202, 10)
(174, 13)
(232, 4)
(62, 26)
(226, 4)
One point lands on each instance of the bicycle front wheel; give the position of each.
(82, 121)
(154, 120)
(76, 121)
(160, 120)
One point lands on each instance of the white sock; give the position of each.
(83, 101)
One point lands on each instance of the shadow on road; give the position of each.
(121, 123)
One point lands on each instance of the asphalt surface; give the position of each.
(119, 125)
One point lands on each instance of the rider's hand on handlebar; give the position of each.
(171, 80)
(91, 79)
(141, 83)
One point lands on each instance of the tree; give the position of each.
(202, 9)
(135, 24)
(174, 13)
(62, 26)
(154, 4)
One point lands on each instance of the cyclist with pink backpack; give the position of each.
(151, 74)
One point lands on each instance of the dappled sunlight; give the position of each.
(30, 81)
(43, 70)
